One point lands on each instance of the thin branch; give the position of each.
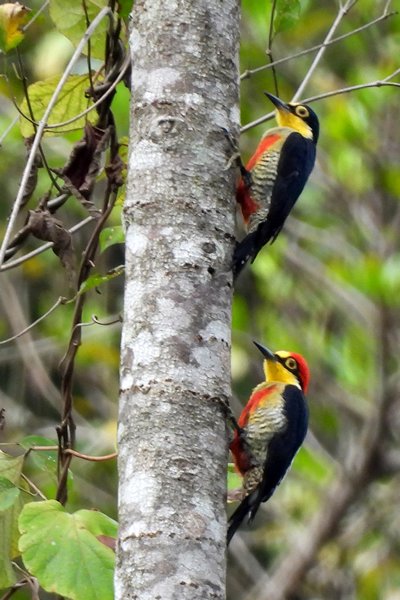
(43, 248)
(8, 129)
(36, 15)
(42, 125)
(249, 72)
(10, 592)
(24, 81)
(33, 486)
(95, 321)
(124, 68)
(352, 88)
(61, 300)
(342, 13)
(75, 453)
(66, 430)
(113, 322)
(269, 50)
(89, 47)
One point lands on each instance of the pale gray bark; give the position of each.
(179, 218)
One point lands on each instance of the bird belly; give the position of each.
(263, 176)
(259, 432)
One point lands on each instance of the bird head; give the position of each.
(285, 367)
(299, 117)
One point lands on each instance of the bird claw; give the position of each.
(246, 175)
(229, 416)
(236, 158)
(233, 159)
(235, 149)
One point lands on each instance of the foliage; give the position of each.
(75, 176)
(61, 549)
(12, 19)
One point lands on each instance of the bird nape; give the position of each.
(274, 177)
(271, 429)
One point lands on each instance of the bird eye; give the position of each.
(291, 364)
(302, 112)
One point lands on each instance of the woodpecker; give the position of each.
(271, 429)
(274, 177)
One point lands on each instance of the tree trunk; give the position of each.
(175, 375)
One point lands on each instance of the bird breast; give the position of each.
(265, 422)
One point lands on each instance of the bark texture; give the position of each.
(179, 219)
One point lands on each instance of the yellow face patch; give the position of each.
(275, 371)
(286, 118)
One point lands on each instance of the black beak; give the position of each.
(266, 352)
(277, 102)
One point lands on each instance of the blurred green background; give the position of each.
(329, 288)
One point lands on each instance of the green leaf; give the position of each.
(71, 21)
(12, 17)
(45, 461)
(97, 522)
(10, 467)
(287, 14)
(8, 493)
(62, 551)
(124, 8)
(70, 103)
(110, 236)
(10, 473)
(96, 280)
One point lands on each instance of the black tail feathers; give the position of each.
(244, 251)
(237, 517)
(251, 245)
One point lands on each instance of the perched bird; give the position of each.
(274, 177)
(270, 431)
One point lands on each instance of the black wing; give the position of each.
(284, 446)
(294, 167)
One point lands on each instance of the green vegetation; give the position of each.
(328, 288)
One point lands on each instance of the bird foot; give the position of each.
(236, 159)
(229, 416)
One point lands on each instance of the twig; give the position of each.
(124, 68)
(35, 16)
(43, 248)
(249, 72)
(75, 453)
(33, 486)
(113, 322)
(61, 300)
(89, 46)
(37, 374)
(29, 105)
(9, 593)
(42, 125)
(8, 129)
(66, 430)
(343, 10)
(352, 88)
(270, 42)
